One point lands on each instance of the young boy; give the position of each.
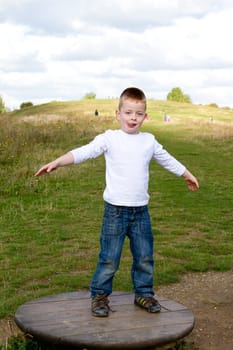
(128, 153)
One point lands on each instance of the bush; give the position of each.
(2, 106)
(214, 105)
(177, 95)
(26, 105)
(90, 96)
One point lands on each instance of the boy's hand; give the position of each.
(66, 159)
(191, 181)
(47, 168)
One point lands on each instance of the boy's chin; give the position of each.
(131, 130)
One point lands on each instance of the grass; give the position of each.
(50, 225)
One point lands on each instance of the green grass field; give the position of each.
(49, 226)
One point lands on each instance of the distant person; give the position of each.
(166, 118)
(96, 113)
(128, 153)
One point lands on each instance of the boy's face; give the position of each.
(131, 115)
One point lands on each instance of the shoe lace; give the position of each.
(151, 301)
(101, 301)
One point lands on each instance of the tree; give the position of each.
(26, 105)
(90, 96)
(176, 94)
(2, 106)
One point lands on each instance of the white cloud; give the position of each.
(63, 49)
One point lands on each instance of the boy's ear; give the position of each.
(146, 116)
(117, 114)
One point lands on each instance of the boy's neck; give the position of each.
(129, 133)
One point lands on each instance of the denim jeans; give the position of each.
(119, 222)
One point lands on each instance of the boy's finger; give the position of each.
(40, 172)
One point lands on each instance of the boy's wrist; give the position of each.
(185, 173)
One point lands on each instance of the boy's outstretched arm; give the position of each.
(66, 159)
(191, 181)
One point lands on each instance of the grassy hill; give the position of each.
(107, 107)
(50, 225)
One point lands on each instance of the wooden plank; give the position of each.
(66, 319)
(118, 318)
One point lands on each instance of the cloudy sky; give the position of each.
(62, 49)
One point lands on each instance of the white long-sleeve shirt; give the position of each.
(127, 159)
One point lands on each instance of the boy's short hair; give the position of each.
(132, 93)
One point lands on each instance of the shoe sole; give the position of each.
(99, 315)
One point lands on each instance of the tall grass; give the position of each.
(50, 225)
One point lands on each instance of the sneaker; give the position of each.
(99, 305)
(148, 303)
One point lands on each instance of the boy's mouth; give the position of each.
(132, 125)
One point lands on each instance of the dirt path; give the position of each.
(209, 295)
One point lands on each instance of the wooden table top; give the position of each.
(66, 320)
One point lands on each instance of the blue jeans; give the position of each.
(119, 222)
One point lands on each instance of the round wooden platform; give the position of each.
(66, 320)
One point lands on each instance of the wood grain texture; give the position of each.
(66, 320)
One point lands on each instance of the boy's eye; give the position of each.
(139, 114)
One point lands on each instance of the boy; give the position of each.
(128, 153)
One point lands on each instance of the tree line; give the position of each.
(176, 94)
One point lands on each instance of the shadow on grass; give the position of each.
(26, 343)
